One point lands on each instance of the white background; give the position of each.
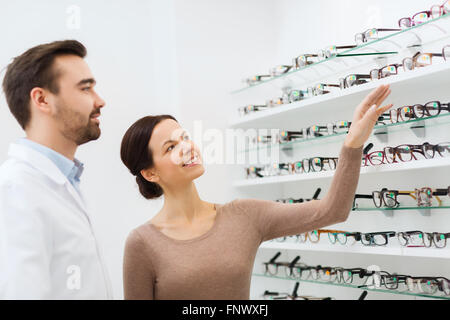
(182, 58)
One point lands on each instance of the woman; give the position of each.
(193, 249)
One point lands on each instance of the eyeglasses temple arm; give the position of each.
(316, 194)
(346, 47)
(363, 295)
(408, 193)
(294, 292)
(270, 293)
(275, 257)
(363, 196)
(439, 201)
(367, 148)
(389, 29)
(441, 192)
(293, 262)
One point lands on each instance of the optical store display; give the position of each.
(304, 60)
(405, 153)
(423, 16)
(411, 239)
(388, 198)
(389, 155)
(412, 58)
(363, 278)
(419, 60)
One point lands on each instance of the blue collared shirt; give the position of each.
(71, 169)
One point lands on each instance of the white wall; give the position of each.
(149, 57)
(218, 44)
(131, 54)
(178, 57)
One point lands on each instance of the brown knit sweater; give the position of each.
(219, 263)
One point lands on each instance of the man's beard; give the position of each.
(74, 125)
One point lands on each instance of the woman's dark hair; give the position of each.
(136, 154)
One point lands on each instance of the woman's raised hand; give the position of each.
(366, 115)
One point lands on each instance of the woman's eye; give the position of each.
(170, 148)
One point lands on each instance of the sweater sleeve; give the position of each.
(138, 275)
(274, 219)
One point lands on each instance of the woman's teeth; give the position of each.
(191, 161)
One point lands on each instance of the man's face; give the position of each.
(76, 105)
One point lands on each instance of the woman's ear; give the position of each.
(149, 175)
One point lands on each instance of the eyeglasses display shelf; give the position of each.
(432, 30)
(294, 115)
(431, 164)
(344, 285)
(425, 122)
(438, 253)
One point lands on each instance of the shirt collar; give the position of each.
(71, 169)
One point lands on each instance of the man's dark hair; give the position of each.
(34, 68)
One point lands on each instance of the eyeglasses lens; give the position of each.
(405, 23)
(446, 52)
(407, 113)
(371, 34)
(391, 282)
(440, 240)
(408, 64)
(389, 199)
(388, 71)
(298, 167)
(351, 81)
(379, 239)
(314, 236)
(359, 38)
(443, 149)
(420, 18)
(416, 239)
(423, 60)
(404, 153)
(317, 164)
(306, 165)
(374, 74)
(423, 197)
(271, 268)
(341, 237)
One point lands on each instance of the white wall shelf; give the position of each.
(443, 253)
(431, 164)
(293, 115)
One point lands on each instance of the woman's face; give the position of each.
(177, 160)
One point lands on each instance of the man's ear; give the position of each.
(40, 99)
(149, 175)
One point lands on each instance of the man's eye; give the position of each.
(86, 89)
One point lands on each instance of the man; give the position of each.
(48, 249)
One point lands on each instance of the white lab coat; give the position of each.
(48, 249)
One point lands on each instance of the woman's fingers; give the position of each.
(376, 94)
(383, 97)
(375, 112)
(374, 98)
(383, 109)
